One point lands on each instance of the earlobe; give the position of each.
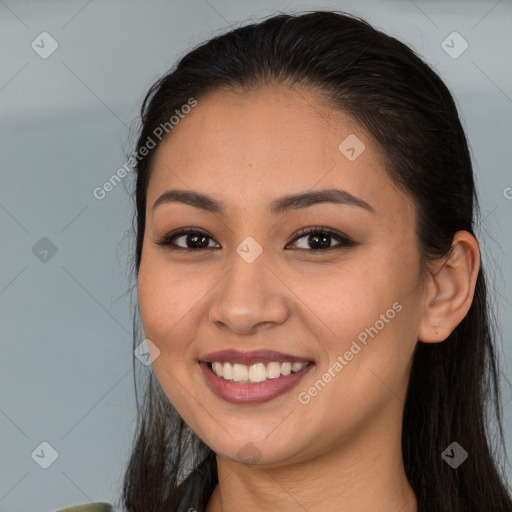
(450, 290)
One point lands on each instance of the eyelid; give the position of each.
(344, 240)
(334, 233)
(167, 239)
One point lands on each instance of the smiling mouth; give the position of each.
(253, 386)
(255, 373)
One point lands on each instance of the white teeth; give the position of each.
(217, 368)
(286, 368)
(273, 370)
(297, 366)
(256, 372)
(240, 372)
(227, 371)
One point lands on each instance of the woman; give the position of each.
(309, 282)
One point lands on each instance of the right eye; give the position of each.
(194, 239)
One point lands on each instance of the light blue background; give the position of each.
(66, 365)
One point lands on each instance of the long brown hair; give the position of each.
(454, 388)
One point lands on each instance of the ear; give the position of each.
(450, 289)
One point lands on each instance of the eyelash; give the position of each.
(313, 230)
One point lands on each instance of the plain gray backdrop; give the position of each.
(66, 361)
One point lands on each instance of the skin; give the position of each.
(341, 451)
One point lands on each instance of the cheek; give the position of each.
(166, 310)
(347, 298)
(165, 302)
(369, 310)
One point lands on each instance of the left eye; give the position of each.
(197, 239)
(320, 236)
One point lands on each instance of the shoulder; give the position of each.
(89, 507)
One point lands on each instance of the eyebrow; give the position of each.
(278, 206)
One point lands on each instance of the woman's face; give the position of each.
(250, 283)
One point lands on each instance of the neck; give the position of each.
(365, 474)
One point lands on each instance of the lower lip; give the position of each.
(239, 393)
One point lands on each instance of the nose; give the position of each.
(251, 296)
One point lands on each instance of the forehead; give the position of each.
(249, 147)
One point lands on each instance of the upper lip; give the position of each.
(252, 357)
